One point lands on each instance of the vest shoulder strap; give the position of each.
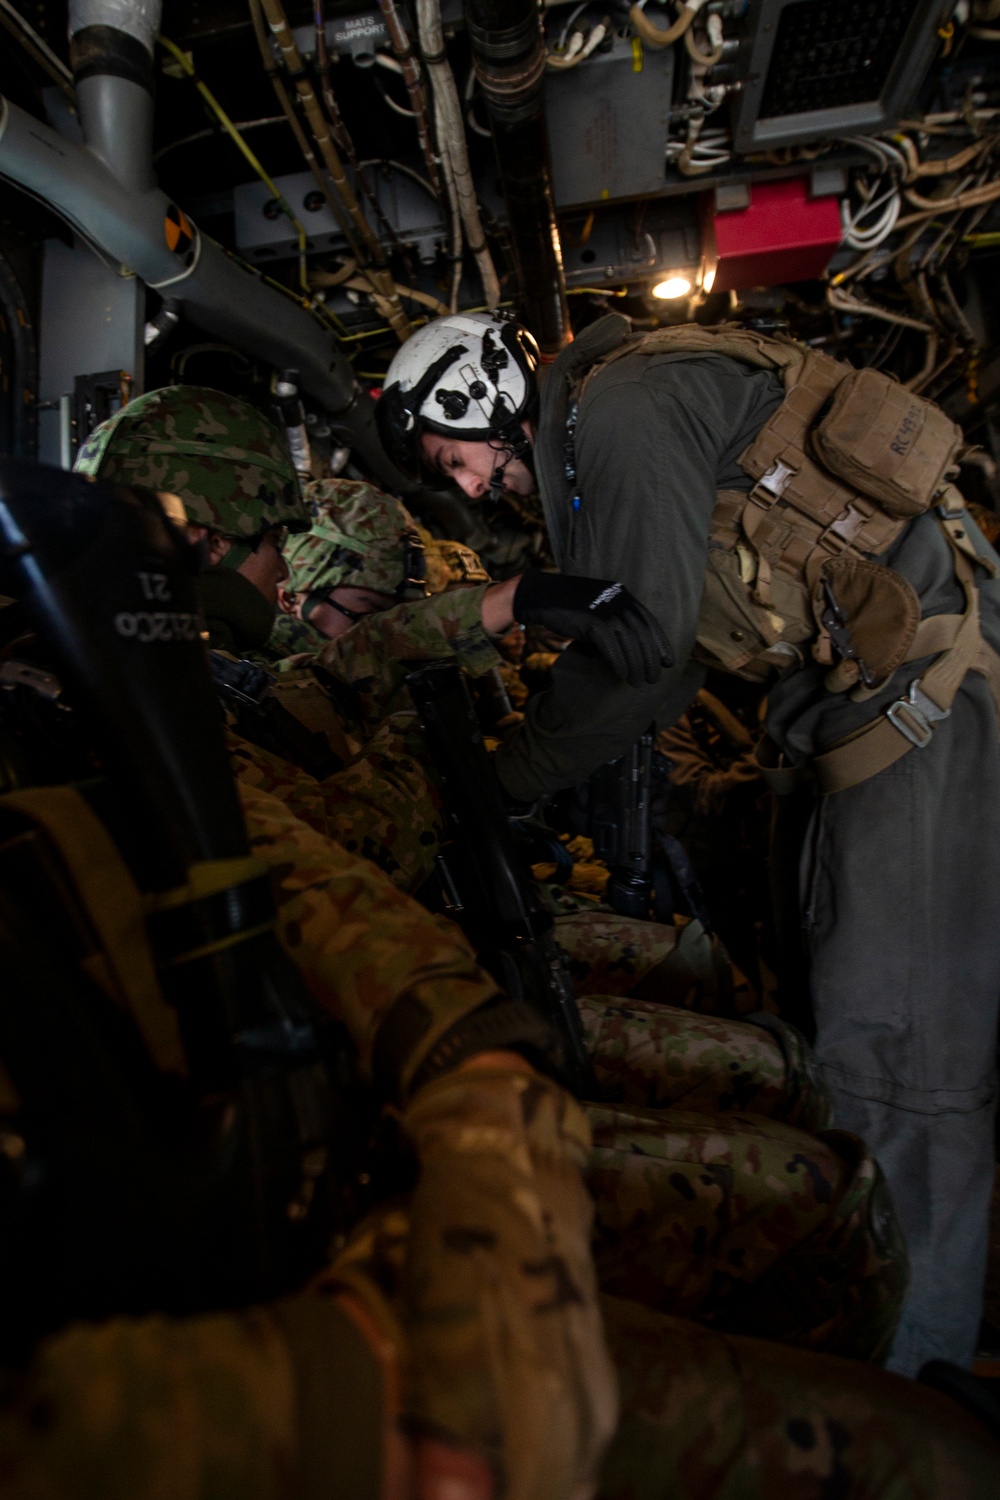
(783, 355)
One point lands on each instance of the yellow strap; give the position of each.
(207, 878)
(219, 945)
(880, 744)
(114, 906)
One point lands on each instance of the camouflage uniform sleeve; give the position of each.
(258, 1404)
(383, 804)
(376, 654)
(372, 957)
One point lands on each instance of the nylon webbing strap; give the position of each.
(935, 633)
(909, 722)
(987, 663)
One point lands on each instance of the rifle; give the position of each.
(248, 690)
(485, 881)
(617, 810)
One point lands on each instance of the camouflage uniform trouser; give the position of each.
(262, 1404)
(676, 964)
(709, 1417)
(718, 1194)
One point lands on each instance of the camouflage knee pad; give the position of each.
(665, 964)
(807, 1103)
(747, 1225)
(653, 1056)
(842, 1290)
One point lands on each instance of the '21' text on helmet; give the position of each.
(471, 376)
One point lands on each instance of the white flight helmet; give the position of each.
(469, 376)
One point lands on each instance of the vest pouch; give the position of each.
(888, 442)
(734, 631)
(882, 610)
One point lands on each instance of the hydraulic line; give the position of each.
(333, 202)
(347, 276)
(451, 138)
(378, 273)
(508, 53)
(706, 59)
(185, 63)
(341, 134)
(844, 302)
(400, 42)
(455, 227)
(653, 36)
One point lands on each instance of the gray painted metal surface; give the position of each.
(607, 125)
(92, 319)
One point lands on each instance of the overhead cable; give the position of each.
(377, 268)
(451, 141)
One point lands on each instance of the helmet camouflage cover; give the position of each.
(228, 463)
(361, 538)
(364, 538)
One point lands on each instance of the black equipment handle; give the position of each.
(486, 876)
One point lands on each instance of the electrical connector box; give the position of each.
(607, 122)
(784, 235)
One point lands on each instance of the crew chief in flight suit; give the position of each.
(636, 448)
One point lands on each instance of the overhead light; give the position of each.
(674, 286)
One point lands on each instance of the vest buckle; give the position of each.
(775, 482)
(915, 716)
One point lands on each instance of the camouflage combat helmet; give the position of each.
(226, 461)
(360, 538)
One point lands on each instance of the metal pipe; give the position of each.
(148, 236)
(508, 53)
(111, 54)
(106, 191)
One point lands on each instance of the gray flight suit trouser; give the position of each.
(901, 910)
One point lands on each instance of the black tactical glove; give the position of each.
(604, 614)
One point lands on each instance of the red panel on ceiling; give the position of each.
(784, 235)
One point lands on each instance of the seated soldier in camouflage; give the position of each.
(361, 555)
(231, 467)
(688, 1207)
(316, 1395)
(338, 607)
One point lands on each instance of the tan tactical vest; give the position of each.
(839, 469)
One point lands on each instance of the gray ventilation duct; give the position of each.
(106, 191)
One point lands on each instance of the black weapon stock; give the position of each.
(485, 879)
(617, 809)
